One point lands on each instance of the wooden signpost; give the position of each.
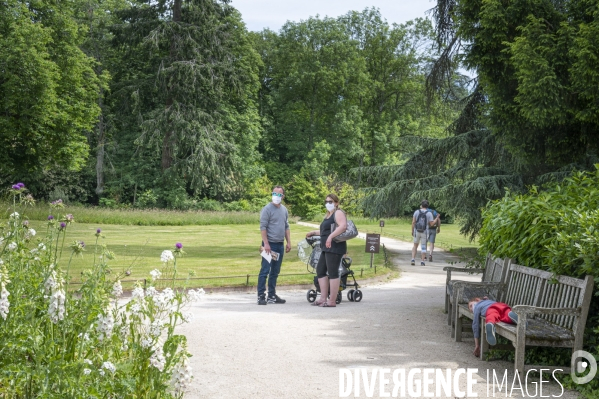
(373, 245)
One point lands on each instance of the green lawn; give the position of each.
(210, 251)
(400, 228)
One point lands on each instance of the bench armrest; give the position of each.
(524, 311)
(450, 269)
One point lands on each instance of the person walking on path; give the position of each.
(433, 231)
(332, 252)
(421, 221)
(274, 228)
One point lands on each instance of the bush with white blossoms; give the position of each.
(65, 340)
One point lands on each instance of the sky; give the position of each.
(260, 14)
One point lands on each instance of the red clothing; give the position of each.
(498, 312)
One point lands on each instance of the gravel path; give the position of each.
(294, 350)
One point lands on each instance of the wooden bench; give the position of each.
(495, 270)
(552, 311)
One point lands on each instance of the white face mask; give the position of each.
(330, 207)
(276, 200)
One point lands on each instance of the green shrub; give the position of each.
(58, 341)
(555, 229)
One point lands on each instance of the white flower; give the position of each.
(187, 317)
(195, 295)
(138, 293)
(42, 247)
(145, 342)
(117, 289)
(157, 359)
(102, 372)
(4, 303)
(109, 366)
(86, 371)
(155, 274)
(87, 361)
(12, 246)
(168, 293)
(56, 310)
(136, 308)
(105, 325)
(181, 377)
(156, 329)
(166, 256)
(33, 251)
(151, 291)
(51, 282)
(32, 232)
(1, 261)
(14, 215)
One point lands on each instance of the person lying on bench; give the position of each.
(493, 312)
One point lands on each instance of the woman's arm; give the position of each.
(341, 221)
(313, 233)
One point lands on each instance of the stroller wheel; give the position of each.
(350, 295)
(357, 296)
(311, 296)
(339, 298)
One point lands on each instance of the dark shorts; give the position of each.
(432, 235)
(328, 262)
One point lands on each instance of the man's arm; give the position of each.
(438, 223)
(264, 217)
(430, 220)
(265, 241)
(413, 224)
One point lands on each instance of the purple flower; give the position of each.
(25, 223)
(20, 185)
(50, 217)
(99, 231)
(69, 217)
(179, 245)
(82, 244)
(15, 187)
(63, 225)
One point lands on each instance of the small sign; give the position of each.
(382, 223)
(373, 243)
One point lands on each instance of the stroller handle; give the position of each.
(313, 240)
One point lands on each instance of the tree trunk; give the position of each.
(169, 135)
(100, 153)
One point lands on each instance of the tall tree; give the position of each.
(48, 89)
(530, 118)
(395, 57)
(315, 73)
(196, 84)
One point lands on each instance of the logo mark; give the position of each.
(589, 363)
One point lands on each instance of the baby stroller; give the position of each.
(309, 251)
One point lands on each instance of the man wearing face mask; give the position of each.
(274, 227)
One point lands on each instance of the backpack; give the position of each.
(421, 222)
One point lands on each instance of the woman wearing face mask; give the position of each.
(332, 251)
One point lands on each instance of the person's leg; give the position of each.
(431, 239)
(492, 316)
(504, 313)
(275, 268)
(414, 248)
(422, 239)
(264, 270)
(323, 280)
(333, 261)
